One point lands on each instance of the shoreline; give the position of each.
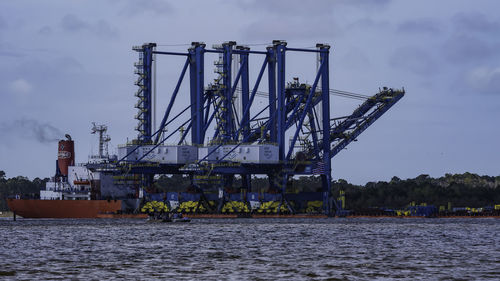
(6, 214)
(10, 214)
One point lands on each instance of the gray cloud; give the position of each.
(290, 20)
(423, 25)
(475, 22)
(3, 23)
(68, 64)
(354, 59)
(366, 4)
(464, 48)
(413, 59)
(20, 86)
(296, 20)
(136, 8)
(72, 23)
(105, 29)
(32, 129)
(7, 50)
(365, 23)
(8, 53)
(475, 39)
(291, 7)
(47, 70)
(484, 80)
(290, 29)
(311, 9)
(45, 30)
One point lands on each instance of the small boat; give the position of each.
(168, 219)
(184, 219)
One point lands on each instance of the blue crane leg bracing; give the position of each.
(325, 103)
(228, 121)
(199, 100)
(245, 90)
(297, 110)
(171, 103)
(271, 58)
(196, 73)
(307, 106)
(280, 49)
(193, 90)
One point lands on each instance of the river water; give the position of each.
(251, 249)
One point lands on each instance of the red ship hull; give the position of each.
(31, 208)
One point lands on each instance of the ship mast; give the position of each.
(103, 139)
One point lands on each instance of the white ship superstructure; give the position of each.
(76, 182)
(77, 185)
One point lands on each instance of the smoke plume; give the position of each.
(32, 129)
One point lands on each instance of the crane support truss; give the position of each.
(291, 112)
(144, 71)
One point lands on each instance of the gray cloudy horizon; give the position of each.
(65, 64)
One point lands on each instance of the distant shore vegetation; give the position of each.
(18, 185)
(464, 190)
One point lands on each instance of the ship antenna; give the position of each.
(103, 138)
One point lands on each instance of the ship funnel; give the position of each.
(65, 155)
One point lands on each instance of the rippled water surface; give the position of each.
(251, 249)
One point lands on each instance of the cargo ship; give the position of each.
(76, 192)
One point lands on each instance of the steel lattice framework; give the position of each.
(298, 111)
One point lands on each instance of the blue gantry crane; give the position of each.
(245, 138)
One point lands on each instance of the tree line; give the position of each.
(18, 185)
(459, 190)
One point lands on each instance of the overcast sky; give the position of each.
(65, 64)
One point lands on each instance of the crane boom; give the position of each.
(346, 131)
